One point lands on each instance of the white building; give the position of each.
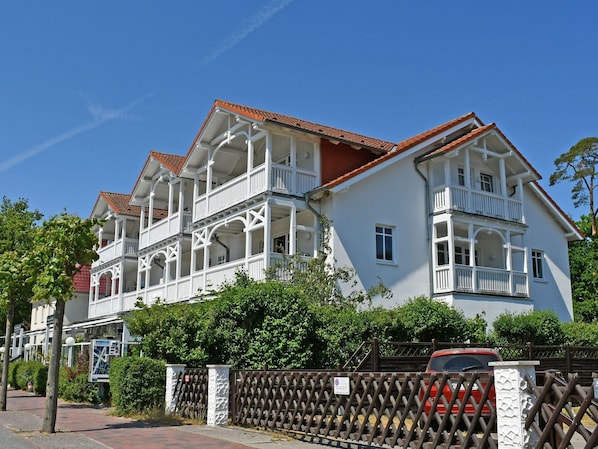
(454, 213)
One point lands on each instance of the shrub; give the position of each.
(13, 372)
(137, 385)
(581, 334)
(78, 388)
(540, 327)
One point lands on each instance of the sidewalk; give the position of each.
(88, 427)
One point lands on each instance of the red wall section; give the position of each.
(340, 159)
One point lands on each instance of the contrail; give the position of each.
(256, 21)
(100, 116)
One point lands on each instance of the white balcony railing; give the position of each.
(476, 202)
(284, 179)
(184, 288)
(166, 227)
(480, 280)
(116, 249)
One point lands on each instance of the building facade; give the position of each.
(455, 213)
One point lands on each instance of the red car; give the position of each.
(462, 360)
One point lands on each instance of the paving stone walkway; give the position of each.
(87, 427)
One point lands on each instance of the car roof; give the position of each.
(458, 351)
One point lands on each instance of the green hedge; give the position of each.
(21, 373)
(137, 384)
(75, 387)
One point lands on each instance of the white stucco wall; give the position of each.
(544, 234)
(393, 197)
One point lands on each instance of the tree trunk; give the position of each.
(10, 313)
(49, 424)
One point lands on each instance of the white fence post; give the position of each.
(218, 391)
(172, 373)
(513, 403)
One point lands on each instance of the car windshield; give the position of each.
(462, 362)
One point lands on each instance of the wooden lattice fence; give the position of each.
(389, 409)
(410, 357)
(191, 394)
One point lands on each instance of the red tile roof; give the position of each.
(426, 135)
(403, 146)
(173, 162)
(314, 128)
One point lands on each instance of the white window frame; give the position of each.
(538, 265)
(486, 182)
(385, 236)
(461, 176)
(442, 254)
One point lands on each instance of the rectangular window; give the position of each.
(537, 264)
(462, 255)
(461, 176)
(384, 242)
(486, 182)
(279, 244)
(442, 254)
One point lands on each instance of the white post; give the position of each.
(172, 374)
(218, 390)
(513, 403)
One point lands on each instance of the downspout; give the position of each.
(318, 216)
(430, 249)
(226, 248)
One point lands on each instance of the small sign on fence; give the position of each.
(342, 385)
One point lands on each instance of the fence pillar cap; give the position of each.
(175, 365)
(514, 363)
(218, 366)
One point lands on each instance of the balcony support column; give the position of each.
(150, 215)
(503, 187)
(267, 233)
(249, 164)
(451, 251)
(293, 230)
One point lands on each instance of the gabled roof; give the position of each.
(119, 203)
(172, 162)
(260, 115)
(406, 145)
(474, 134)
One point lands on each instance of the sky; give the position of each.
(89, 88)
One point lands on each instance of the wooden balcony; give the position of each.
(477, 202)
(166, 227)
(117, 249)
(283, 179)
(480, 280)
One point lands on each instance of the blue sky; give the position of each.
(88, 88)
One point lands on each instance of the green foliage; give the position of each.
(64, 244)
(21, 373)
(74, 385)
(540, 327)
(175, 333)
(256, 323)
(424, 319)
(78, 388)
(137, 384)
(580, 334)
(13, 370)
(583, 264)
(341, 330)
(578, 165)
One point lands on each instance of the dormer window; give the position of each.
(486, 182)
